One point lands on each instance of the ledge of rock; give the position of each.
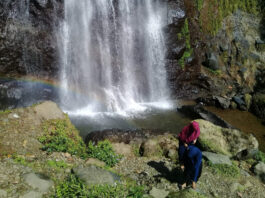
(95, 175)
(198, 112)
(223, 140)
(125, 136)
(48, 110)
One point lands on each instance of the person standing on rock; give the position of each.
(190, 156)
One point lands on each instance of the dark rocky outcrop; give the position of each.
(198, 112)
(125, 136)
(27, 37)
(19, 93)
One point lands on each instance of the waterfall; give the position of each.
(112, 55)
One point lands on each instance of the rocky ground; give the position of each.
(26, 171)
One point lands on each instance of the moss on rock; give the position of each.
(223, 140)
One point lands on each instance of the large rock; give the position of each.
(166, 145)
(93, 175)
(259, 170)
(48, 110)
(211, 61)
(217, 158)
(224, 141)
(38, 181)
(27, 37)
(158, 193)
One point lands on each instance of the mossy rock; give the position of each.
(189, 193)
(223, 140)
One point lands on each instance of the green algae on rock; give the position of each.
(224, 141)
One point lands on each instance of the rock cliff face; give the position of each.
(215, 56)
(27, 40)
(216, 53)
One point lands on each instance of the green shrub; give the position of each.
(62, 136)
(57, 164)
(74, 187)
(104, 152)
(260, 156)
(225, 169)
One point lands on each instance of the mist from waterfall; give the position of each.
(112, 55)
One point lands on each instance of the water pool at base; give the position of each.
(243, 120)
(165, 120)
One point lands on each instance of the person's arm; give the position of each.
(181, 152)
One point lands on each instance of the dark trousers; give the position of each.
(189, 174)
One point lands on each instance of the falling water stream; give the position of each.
(112, 56)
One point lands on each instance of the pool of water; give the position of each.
(243, 120)
(166, 120)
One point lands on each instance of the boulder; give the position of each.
(48, 110)
(217, 158)
(259, 170)
(223, 140)
(38, 181)
(223, 102)
(93, 175)
(239, 100)
(151, 148)
(211, 61)
(246, 154)
(166, 145)
(123, 149)
(158, 193)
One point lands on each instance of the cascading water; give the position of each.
(112, 55)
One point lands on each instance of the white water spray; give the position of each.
(112, 55)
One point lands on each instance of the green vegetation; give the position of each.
(185, 33)
(6, 111)
(57, 164)
(104, 152)
(74, 187)
(226, 170)
(20, 160)
(215, 72)
(214, 11)
(207, 145)
(62, 136)
(260, 156)
(199, 4)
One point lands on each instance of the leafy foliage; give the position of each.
(74, 187)
(260, 156)
(103, 151)
(62, 136)
(57, 164)
(188, 51)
